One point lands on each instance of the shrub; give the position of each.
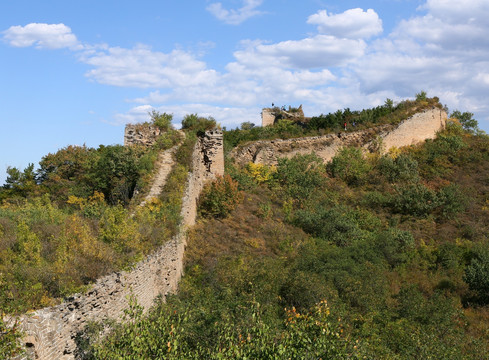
(349, 165)
(403, 168)
(9, 340)
(396, 245)
(163, 121)
(261, 173)
(220, 197)
(300, 176)
(477, 273)
(415, 200)
(198, 124)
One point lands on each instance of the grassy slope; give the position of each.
(388, 251)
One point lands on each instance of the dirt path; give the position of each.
(164, 166)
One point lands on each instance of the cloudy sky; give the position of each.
(75, 72)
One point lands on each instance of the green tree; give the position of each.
(477, 273)
(466, 120)
(421, 95)
(350, 166)
(161, 120)
(198, 123)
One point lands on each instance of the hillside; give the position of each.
(367, 256)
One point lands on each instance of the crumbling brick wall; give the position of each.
(51, 332)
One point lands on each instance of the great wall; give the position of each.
(51, 332)
(421, 126)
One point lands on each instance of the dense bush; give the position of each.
(477, 274)
(220, 197)
(350, 166)
(300, 176)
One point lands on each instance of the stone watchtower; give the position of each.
(270, 115)
(267, 117)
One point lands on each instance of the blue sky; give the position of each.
(75, 72)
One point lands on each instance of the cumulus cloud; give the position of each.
(353, 23)
(143, 67)
(443, 50)
(233, 16)
(135, 115)
(319, 51)
(50, 36)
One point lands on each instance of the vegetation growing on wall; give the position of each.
(333, 122)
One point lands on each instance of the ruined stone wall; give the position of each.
(141, 134)
(267, 117)
(417, 128)
(51, 332)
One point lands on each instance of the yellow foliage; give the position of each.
(394, 152)
(260, 172)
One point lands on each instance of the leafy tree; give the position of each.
(161, 120)
(401, 169)
(247, 125)
(220, 197)
(300, 176)
(198, 124)
(466, 120)
(20, 183)
(421, 95)
(477, 273)
(349, 165)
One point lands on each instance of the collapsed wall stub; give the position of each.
(51, 333)
(271, 115)
(417, 128)
(213, 156)
(142, 134)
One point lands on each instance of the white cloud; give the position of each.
(235, 17)
(353, 23)
(50, 36)
(320, 51)
(135, 115)
(142, 67)
(443, 50)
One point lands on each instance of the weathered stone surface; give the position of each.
(417, 128)
(141, 134)
(51, 332)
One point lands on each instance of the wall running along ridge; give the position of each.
(417, 128)
(51, 332)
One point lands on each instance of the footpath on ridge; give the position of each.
(164, 166)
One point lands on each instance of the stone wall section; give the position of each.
(141, 134)
(416, 129)
(51, 332)
(267, 117)
(413, 130)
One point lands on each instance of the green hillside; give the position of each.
(370, 256)
(377, 257)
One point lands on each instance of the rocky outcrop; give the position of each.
(417, 128)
